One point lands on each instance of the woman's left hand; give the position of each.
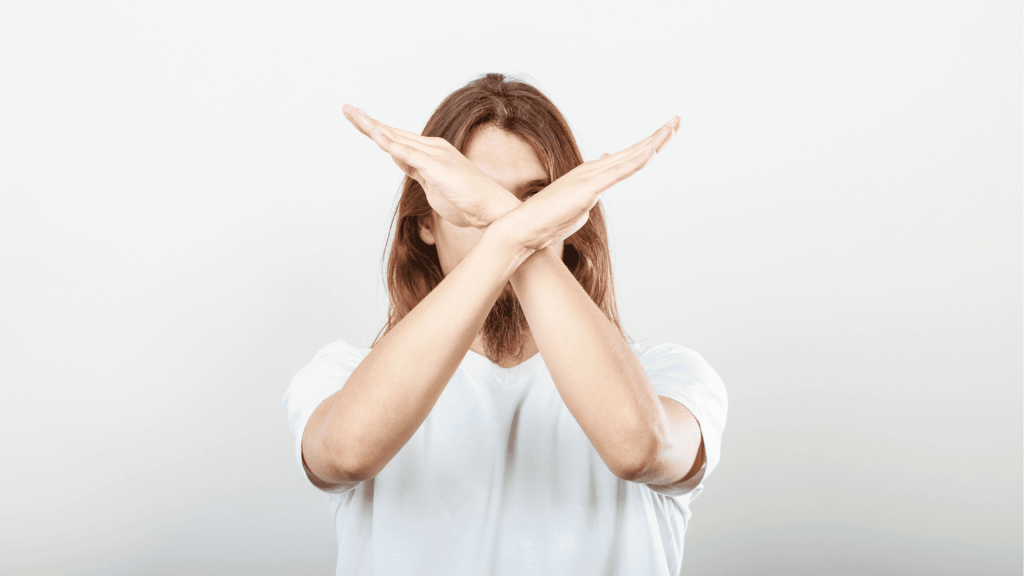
(455, 188)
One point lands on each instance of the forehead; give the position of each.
(506, 158)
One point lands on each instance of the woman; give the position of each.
(502, 424)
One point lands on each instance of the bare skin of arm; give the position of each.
(355, 432)
(641, 437)
(360, 428)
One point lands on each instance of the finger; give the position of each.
(385, 137)
(619, 171)
(398, 154)
(670, 129)
(624, 156)
(411, 137)
(362, 121)
(405, 153)
(657, 140)
(397, 134)
(652, 141)
(409, 158)
(350, 114)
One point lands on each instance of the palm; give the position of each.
(463, 195)
(563, 207)
(456, 189)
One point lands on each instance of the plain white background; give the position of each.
(186, 218)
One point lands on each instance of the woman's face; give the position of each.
(505, 158)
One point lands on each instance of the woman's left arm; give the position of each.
(640, 436)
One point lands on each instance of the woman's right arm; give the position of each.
(357, 430)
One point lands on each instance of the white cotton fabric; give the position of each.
(500, 479)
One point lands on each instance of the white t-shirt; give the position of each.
(501, 479)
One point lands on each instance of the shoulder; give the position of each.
(336, 355)
(342, 349)
(681, 374)
(325, 373)
(668, 352)
(674, 360)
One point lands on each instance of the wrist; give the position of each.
(538, 258)
(502, 202)
(501, 236)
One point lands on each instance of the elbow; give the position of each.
(344, 464)
(343, 473)
(636, 463)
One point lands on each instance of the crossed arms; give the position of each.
(640, 436)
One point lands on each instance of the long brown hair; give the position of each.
(413, 268)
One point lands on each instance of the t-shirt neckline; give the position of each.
(480, 363)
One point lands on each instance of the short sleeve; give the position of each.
(684, 376)
(324, 375)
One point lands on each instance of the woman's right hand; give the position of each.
(455, 188)
(562, 208)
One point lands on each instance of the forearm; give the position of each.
(597, 375)
(393, 389)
